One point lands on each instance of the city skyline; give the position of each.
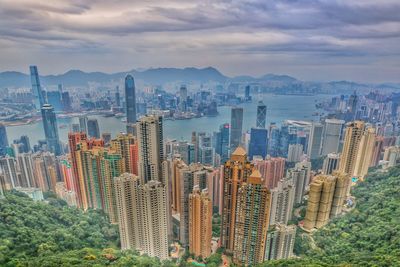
(312, 40)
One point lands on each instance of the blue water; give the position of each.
(279, 108)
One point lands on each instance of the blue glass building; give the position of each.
(258, 143)
(51, 129)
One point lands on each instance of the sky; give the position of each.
(308, 39)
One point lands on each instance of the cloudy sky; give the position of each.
(309, 39)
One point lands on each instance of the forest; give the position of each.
(51, 234)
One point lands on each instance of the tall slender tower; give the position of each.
(315, 141)
(348, 158)
(93, 128)
(252, 220)
(236, 127)
(200, 223)
(331, 136)
(151, 148)
(51, 129)
(261, 115)
(36, 88)
(236, 172)
(3, 139)
(130, 99)
(365, 153)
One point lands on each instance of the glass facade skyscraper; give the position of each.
(222, 142)
(36, 88)
(50, 129)
(261, 115)
(258, 143)
(130, 99)
(236, 127)
(3, 140)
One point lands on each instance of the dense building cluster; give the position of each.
(162, 191)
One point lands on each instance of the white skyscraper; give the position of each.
(315, 140)
(282, 199)
(142, 215)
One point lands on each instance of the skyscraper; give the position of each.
(51, 129)
(130, 99)
(3, 140)
(151, 148)
(280, 242)
(222, 142)
(365, 153)
(83, 120)
(271, 169)
(182, 98)
(117, 97)
(236, 127)
(320, 199)
(251, 221)
(25, 164)
(261, 115)
(54, 99)
(315, 141)
(331, 163)
(247, 96)
(258, 143)
(353, 133)
(236, 171)
(200, 223)
(8, 165)
(36, 88)
(282, 200)
(142, 215)
(331, 136)
(122, 144)
(93, 128)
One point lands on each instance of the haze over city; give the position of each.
(310, 40)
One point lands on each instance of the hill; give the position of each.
(367, 236)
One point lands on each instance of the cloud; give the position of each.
(120, 33)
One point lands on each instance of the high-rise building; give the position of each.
(320, 200)
(8, 165)
(261, 115)
(129, 215)
(295, 152)
(73, 140)
(251, 221)
(339, 195)
(151, 148)
(106, 138)
(93, 128)
(331, 136)
(353, 134)
(331, 163)
(154, 219)
(365, 153)
(189, 176)
(51, 129)
(130, 99)
(247, 96)
(66, 101)
(258, 143)
(182, 98)
(200, 223)
(36, 88)
(236, 127)
(83, 120)
(282, 200)
(392, 155)
(117, 97)
(272, 170)
(45, 171)
(122, 144)
(24, 141)
(222, 142)
(25, 165)
(142, 215)
(315, 141)
(236, 171)
(377, 153)
(280, 242)
(3, 139)
(300, 175)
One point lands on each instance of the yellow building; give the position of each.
(121, 144)
(320, 201)
(365, 153)
(348, 158)
(200, 223)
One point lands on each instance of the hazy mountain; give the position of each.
(159, 76)
(81, 78)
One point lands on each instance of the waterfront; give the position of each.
(279, 108)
